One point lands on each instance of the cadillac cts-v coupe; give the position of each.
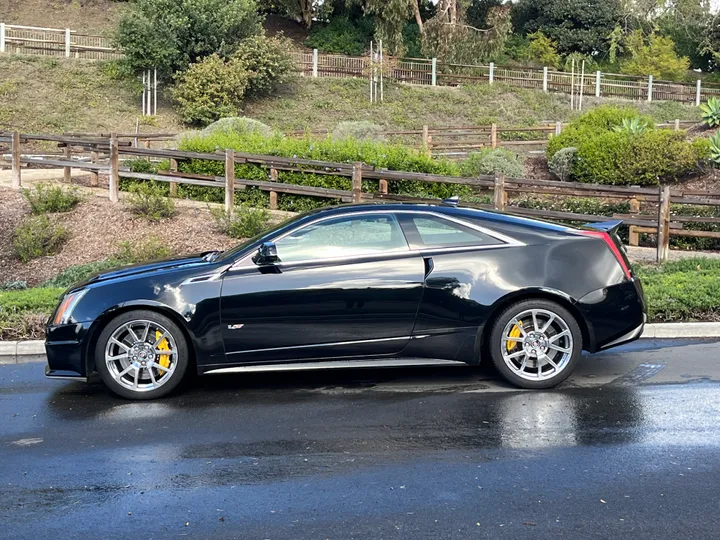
(358, 286)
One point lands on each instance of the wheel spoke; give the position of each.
(118, 357)
(165, 353)
(515, 355)
(132, 333)
(549, 361)
(559, 349)
(519, 326)
(159, 340)
(514, 339)
(152, 376)
(158, 366)
(124, 371)
(554, 338)
(524, 363)
(146, 331)
(548, 323)
(119, 344)
(534, 320)
(135, 378)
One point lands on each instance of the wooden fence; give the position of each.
(430, 72)
(105, 157)
(55, 42)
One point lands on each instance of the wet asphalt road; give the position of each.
(629, 447)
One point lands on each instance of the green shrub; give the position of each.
(80, 272)
(148, 249)
(576, 205)
(210, 89)
(267, 61)
(646, 159)
(711, 112)
(52, 198)
(239, 124)
(13, 285)
(653, 55)
(562, 162)
(149, 201)
(362, 130)
(489, 161)
(341, 35)
(35, 299)
(36, 237)
(682, 290)
(713, 148)
(543, 51)
(171, 34)
(244, 222)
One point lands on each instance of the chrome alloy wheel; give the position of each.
(141, 355)
(537, 344)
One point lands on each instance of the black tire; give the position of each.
(497, 336)
(182, 358)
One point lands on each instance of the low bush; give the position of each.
(362, 130)
(149, 201)
(210, 89)
(45, 198)
(23, 313)
(341, 35)
(13, 285)
(562, 162)
(489, 161)
(682, 290)
(244, 222)
(36, 237)
(239, 124)
(80, 272)
(40, 299)
(149, 249)
(267, 61)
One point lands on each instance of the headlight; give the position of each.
(62, 316)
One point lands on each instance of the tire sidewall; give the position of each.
(496, 334)
(180, 341)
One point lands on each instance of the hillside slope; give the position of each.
(89, 16)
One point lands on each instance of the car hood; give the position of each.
(146, 268)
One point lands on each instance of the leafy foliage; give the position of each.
(239, 124)
(52, 198)
(561, 164)
(267, 62)
(653, 55)
(13, 285)
(362, 130)
(36, 237)
(489, 161)
(172, 34)
(211, 89)
(149, 249)
(150, 202)
(633, 126)
(714, 143)
(244, 222)
(711, 112)
(542, 50)
(80, 272)
(341, 35)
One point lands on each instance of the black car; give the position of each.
(358, 285)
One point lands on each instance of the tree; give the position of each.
(686, 23)
(653, 55)
(171, 34)
(575, 25)
(390, 19)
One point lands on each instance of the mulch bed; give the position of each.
(96, 228)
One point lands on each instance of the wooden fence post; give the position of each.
(357, 182)
(383, 187)
(598, 74)
(698, 87)
(426, 140)
(67, 171)
(558, 128)
(114, 179)
(15, 159)
(499, 193)
(315, 63)
(491, 75)
(67, 43)
(94, 174)
(545, 79)
(173, 169)
(273, 194)
(677, 124)
(2, 37)
(229, 180)
(650, 87)
(634, 237)
(663, 237)
(493, 136)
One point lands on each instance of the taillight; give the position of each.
(613, 247)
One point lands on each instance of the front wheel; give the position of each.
(141, 355)
(535, 344)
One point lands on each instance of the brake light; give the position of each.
(613, 247)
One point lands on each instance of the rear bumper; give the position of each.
(65, 349)
(614, 315)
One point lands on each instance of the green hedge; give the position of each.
(35, 299)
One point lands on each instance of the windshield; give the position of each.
(231, 253)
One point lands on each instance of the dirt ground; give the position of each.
(96, 228)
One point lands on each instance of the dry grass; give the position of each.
(90, 16)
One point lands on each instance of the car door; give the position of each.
(345, 286)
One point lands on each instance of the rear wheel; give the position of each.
(535, 344)
(141, 355)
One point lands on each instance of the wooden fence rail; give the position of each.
(106, 153)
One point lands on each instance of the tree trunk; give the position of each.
(416, 12)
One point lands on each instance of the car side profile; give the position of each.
(356, 286)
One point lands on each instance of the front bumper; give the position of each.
(65, 348)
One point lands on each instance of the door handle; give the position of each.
(429, 265)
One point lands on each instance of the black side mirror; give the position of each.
(266, 254)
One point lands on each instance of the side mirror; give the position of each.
(266, 254)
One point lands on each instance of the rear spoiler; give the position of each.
(609, 227)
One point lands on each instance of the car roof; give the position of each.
(491, 216)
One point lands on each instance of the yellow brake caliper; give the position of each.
(514, 333)
(164, 360)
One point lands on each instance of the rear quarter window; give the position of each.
(438, 232)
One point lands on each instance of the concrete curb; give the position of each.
(21, 352)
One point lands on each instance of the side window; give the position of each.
(343, 237)
(438, 232)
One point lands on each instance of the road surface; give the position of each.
(629, 447)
